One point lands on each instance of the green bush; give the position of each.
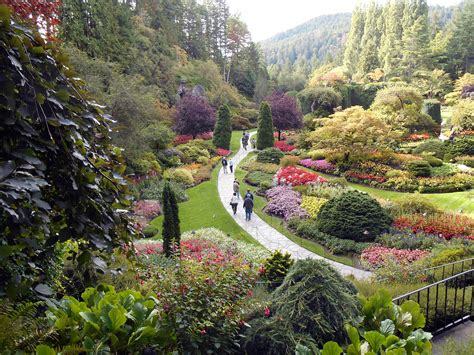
(419, 168)
(255, 178)
(444, 170)
(413, 204)
(223, 128)
(276, 267)
(321, 101)
(265, 127)
(181, 176)
(240, 123)
(460, 146)
(433, 146)
(152, 189)
(406, 240)
(310, 307)
(463, 115)
(263, 167)
(270, 155)
(318, 154)
(250, 114)
(353, 215)
(310, 121)
(433, 109)
(150, 231)
(466, 160)
(432, 160)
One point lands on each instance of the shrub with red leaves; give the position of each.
(293, 176)
(283, 146)
(418, 137)
(223, 152)
(376, 256)
(147, 208)
(444, 225)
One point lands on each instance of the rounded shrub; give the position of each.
(270, 155)
(181, 176)
(150, 231)
(353, 215)
(461, 146)
(419, 168)
(434, 146)
(433, 109)
(312, 305)
(276, 267)
(433, 161)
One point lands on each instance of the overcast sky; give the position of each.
(266, 18)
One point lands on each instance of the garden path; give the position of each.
(269, 237)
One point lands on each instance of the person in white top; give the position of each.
(231, 166)
(234, 201)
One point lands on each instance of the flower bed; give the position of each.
(284, 202)
(312, 205)
(147, 208)
(418, 137)
(318, 165)
(183, 139)
(377, 256)
(293, 176)
(223, 152)
(357, 176)
(445, 225)
(283, 146)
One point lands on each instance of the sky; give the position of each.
(266, 18)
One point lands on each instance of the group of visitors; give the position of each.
(245, 139)
(227, 163)
(247, 204)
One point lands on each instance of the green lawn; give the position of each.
(260, 203)
(204, 208)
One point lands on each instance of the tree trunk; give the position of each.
(279, 135)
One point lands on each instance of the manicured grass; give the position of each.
(260, 203)
(204, 208)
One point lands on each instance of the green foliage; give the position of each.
(276, 267)
(268, 168)
(433, 109)
(152, 189)
(320, 101)
(289, 160)
(433, 161)
(353, 215)
(265, 127)
(460, 146)
(60, 176)
(310, 307)
(463, 115)
(250, 114)
(180, 176)
(223, 129)
(147, 164)
(110, 321)
(270, 155)
(240, 123)
(419, 168)
(171, 229)
(413, 204)
(150, 231)
(255, 178)
(432, 146)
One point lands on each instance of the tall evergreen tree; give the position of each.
(171, 229)
(265, 127)
(353, 46)
(368, 59)
(461, 46)
(389, 54)
(223, 129)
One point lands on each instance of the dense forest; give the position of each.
(292, 55)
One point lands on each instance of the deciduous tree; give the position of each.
(194, 115)
(285, 112)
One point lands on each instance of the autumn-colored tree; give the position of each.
(285, 112)
(43, 13)
(194, 115)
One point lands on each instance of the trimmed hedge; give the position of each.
(353, 215)
(419, 168)
(270, 155)
(433, 109)
(434, 146)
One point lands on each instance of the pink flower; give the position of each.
(267, 312)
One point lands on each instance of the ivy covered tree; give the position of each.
(265, 127)
(194, 115)
(285, 112)
(60, 177)
(223, 129)
(171, 229)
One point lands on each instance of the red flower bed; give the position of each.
(147, 208)
(283, 135)
(183, 139)
(446, 226)
(283, 146)
(294, 176)
(364, 176)
(223, 152)
(418, 137)
(376, 256)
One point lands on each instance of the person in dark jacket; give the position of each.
(224, 164)
(248, 206)
(249, 195)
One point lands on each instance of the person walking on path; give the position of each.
(236, 187)
(234, 202)
(231, 166)
(248, 206)
(224, 164)
(253, 143)
(249, 195)
(244, 142)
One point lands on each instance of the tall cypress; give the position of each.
(223, 129)
(171, 229)
(265, 127)
(352, 52)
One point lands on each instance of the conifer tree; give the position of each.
(265, 127)
(351, 54)
(171, 229)
(389, 54)
(368, 60)
(223, 129)
(461, 45)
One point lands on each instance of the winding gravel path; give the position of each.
(269, 237)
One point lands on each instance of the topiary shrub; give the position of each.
(432, 160)
(276, 267)
(181, 176)
(270, 155)
(419, 168)
(353, 215)
(433, 109)
(311, 306)
(434, 146)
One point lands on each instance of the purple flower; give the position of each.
(318, 165)
(284, 202)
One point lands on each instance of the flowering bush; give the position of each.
(147, 208)
(186, 138)
(376, 256)
(357, 176)
(284, 202)
(294, 176)
(223, 152)
(205, 136)
(418, 137)
(283, 135)
(318, 165)
(444, 225)
(312, 205)
(374, 168)
(283, 146)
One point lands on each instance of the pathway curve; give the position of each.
(266, 235)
